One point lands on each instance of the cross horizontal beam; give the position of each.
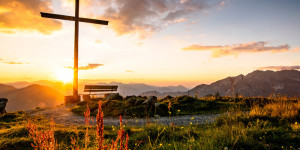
(70, 18)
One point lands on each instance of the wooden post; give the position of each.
(75, 78)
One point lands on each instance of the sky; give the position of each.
(157, 42)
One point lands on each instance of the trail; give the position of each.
(63, 115)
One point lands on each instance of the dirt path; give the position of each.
(63, 115)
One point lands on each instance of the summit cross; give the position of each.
(77, 19)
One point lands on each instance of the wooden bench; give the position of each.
(98, 88)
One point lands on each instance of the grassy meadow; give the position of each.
(251, 123)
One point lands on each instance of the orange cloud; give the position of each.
(11, 62)
(24, 15)
(297, 67)
(130, 71)
(252, 47)
(98, 41)
(88, 67)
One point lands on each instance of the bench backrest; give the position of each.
(100, 88)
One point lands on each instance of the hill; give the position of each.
(256, 83)
(30, 97)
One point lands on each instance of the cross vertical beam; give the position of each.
(77, 19)
(75, 77)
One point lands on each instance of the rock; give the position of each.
(128, 97)
(157, 104)
(71, 99)
(185, 99)
(113, 96)
(131, 101)
(139, 101)
(167, 98)
(150, 100)
(3, 102)
(86, 97)
(143, 97)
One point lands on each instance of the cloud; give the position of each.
(24, 15)
(252, 47)
(297, 67)
(130, 71)
(11, 62)
(143, 17)
(98, 41)
(88, 67)
(139, 43)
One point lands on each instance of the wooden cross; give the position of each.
(77, 19)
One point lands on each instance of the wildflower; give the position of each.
(87, 118)
(260, 138)
(169, 107)
(191, 123)
(42, 139)
(182, 127)
(160, 145)
(126, 142)
(100, 127)
(178, 110)
(192, 118)
(296, 123)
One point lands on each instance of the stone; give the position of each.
(3, 102)
(86, 97)
(167, 98)
(131, 101)
(128, 97)
(157, 104)
(113, 96)
(70, 99)
(150, 100)
(139, 101)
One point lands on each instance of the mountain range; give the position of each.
(138, 88)
(123, 89)
(26, 95)
(256, 83)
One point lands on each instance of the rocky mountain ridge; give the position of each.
(256, 83)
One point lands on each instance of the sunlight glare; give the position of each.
(64, 75)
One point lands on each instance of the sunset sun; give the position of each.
(64, 75)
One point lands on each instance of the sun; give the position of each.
(64, 75)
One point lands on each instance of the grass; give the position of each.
(271, 125)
